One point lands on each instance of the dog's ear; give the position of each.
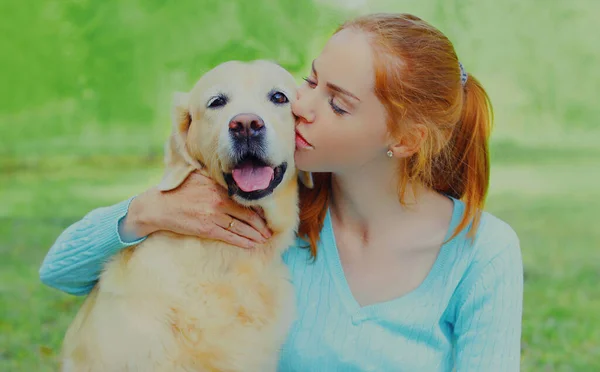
(306, 179)
(178, 163)
(176, 168)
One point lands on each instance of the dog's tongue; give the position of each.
(251, 178)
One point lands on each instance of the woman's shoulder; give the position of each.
(493, 231)
(483, 262)
(493, 237)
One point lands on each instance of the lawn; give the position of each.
(74, 136)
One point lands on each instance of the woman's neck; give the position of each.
(367, 200)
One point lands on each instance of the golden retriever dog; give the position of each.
(181, 303)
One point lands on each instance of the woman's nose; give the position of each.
(303, 107)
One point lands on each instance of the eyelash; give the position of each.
(336, 109)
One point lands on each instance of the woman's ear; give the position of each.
(178, 163)
(410, 142)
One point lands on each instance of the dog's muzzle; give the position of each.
(248, 136)
(252, 176)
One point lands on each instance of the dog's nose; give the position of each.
(246, 125)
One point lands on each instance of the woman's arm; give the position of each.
(76, 258)
(489, 314)
(198, 207)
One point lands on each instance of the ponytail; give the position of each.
(468, 175)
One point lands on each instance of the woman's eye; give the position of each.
(279, 98)
(216, 102)
(336, 108)
(311, 83)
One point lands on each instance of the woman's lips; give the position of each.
(302, 143)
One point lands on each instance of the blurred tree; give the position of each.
(41, 54)
(119, 58)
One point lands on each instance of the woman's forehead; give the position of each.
(347, 61)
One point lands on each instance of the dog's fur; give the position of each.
(180, 303)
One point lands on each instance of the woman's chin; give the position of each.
(305, 162)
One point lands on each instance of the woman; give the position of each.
(407, 272)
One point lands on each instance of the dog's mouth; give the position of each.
(253, 178)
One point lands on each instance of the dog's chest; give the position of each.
(216, 307)
(202, 280)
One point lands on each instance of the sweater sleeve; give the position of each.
(74, 262)
(489, 313)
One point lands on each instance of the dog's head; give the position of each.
(236, 124)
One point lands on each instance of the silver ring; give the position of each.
(231, 224)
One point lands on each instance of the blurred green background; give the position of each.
(85, 89)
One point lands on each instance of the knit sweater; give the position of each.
(466, 314)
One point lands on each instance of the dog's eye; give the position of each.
(216, 102)
(279, 98)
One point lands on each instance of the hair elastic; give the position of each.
(463, 74)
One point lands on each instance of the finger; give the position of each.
(214, 231)
(238, 227)
(260, 212)
(234, 239)
(251, 218)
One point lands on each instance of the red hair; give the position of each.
(418, 80)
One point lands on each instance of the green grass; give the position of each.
(85, 106)
(554, 209)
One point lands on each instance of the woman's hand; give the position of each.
(199, 207)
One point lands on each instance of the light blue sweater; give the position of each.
(465, 315)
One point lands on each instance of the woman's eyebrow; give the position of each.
(335, 87)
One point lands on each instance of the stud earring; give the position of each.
(389, 153)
